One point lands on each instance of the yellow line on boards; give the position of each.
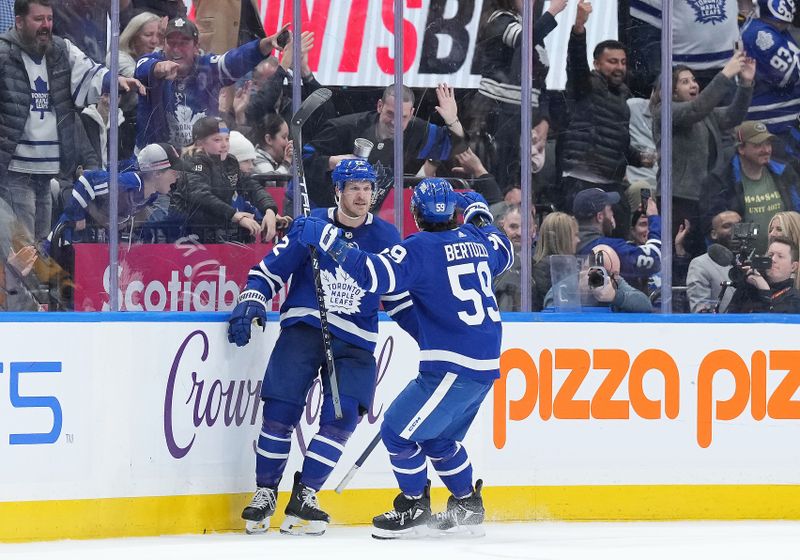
(165, 515)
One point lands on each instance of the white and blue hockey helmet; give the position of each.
(352, 170)
(434, 200)
(782, 10)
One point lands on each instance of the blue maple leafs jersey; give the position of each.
(449, 276)
(776, 94)
(352, 311)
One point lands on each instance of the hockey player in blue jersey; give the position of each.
(448, 271)
(767, 39)
(299, 354)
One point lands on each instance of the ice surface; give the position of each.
(536, 541)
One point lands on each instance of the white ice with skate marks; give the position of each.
(744, 540)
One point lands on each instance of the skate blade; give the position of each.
(256, 527)
(460, 532)
(418, 532)
(295, 526)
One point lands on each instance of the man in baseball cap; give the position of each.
(593, 210)
(183, 83)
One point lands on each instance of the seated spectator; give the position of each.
(274, 149)
(210, 196)
(775, 293)
(596, 144)
(768, 39)
(699, 126)
(786, 224)
(705, 277)
(593, 210)
(422, 141)
(183, 84)
(558, 235)
(507, 286)
(245, 153)
(752, 184)
(158, 168)
(607, 290)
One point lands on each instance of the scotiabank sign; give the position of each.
(180, 277)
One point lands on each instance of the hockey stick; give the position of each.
(359, 462)
(307, 108)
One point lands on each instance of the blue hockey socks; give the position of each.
(275, 441)
(408, 462)
(452, 464)
(327, 446)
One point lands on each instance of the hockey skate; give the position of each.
(463, 517)
(408, 519)
(260, 509)
(303, 515)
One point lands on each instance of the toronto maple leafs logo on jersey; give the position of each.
(708, 11)
(181, 126)
(40, 98)
(764, 40)
(342, 294)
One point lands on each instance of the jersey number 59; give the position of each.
(455, 274)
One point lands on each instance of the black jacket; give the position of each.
(15, 100)
(782, 297)
(205, 196)
(597, 139)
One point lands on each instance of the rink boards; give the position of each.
(144, 423)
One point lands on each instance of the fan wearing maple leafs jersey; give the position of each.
(298, 355)
(183, 83)
(776, 93)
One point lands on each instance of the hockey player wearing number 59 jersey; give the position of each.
(299, 353)
(448, 271)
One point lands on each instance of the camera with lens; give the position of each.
(597, 275)
(744, 254)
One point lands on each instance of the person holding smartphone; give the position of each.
(699, 126)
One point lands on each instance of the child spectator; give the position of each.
(210, 196)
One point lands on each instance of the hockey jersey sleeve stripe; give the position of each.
(771, 106)
(430, 405)
(389, 273)
(395, 297)
(87, 188)
(78, 197)
(511, 33)
(274, 288)
(460, 359)
(399, 308)
(509, 256)
(333, 319)
(373, 276)
(275, 278)
(223, 68)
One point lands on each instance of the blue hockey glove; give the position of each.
(317, 232)
(251, 306)
(476, 209)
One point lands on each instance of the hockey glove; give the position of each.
(317, 232)
(251, 306)
(476, 209)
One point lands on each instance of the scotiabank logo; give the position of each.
(21, 398)
(555, 380)
(191, 288)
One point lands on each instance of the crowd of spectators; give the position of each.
(213, 85)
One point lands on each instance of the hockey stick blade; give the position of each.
(359, 462)
(310, 105)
